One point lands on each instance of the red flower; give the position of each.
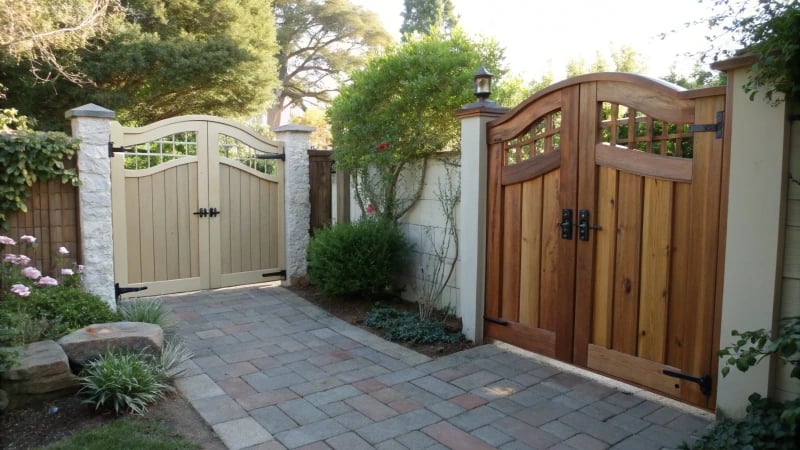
(371, 208)
(382, 146)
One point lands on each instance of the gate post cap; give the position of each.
(90, 110)
(294, 127)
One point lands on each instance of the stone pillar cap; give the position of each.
(90, 110)
(294, 127)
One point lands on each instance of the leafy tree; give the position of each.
(163, 59)
(767, 29)
(36, 30)
(422, 16)
(398, 111)
(318, 43)
(699, 78)
(315, 117)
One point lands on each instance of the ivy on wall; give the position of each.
(28, 156)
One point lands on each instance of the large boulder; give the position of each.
(43, 369)
(90, 342)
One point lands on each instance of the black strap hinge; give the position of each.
(717, 127)
(704, 381)
(112, 149)
(281, 156)
(281, 273)
(496, 320)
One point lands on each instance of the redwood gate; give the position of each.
(605, 230)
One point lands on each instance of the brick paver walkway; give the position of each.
(272, 371)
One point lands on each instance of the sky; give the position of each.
(542, 36)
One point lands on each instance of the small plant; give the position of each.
(149, 311)
(360, 258)
(67, 309)
(769, 424)
(407, 327)
(172, 356)
(124, 382)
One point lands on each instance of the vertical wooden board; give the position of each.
(604, 258)
(234, 199)
(244, 221)
(225, 219)
(133, 233)
(680, 265)
(184, 218)
(530, 252)
(194, 222)
(255, 229)
(276, 217)
(654, 293)
(159, 222)
(628, 255)
(511, 252)
(551, 241)
(146, 228)
(494, 231)
(171, 221)
(586, 184)
(706, 188)
(264, 223)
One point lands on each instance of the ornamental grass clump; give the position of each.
(361, 258)
(150, 310)
(122, 382)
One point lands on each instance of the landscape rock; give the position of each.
(43, 370)
(90, 342)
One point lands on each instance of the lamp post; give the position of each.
(483, 84)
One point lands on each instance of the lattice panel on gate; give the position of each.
(543, 136)
(167, 148)
(623, 126)
(232, 148)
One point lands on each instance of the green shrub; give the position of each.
(407, 327)
(149, 311)
(66, 309)
(761, 428)
(124, 382)
(360, 258)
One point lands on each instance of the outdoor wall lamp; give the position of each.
(483, 84)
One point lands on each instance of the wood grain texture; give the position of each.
(531, 253)
(628, 257)
(645, 164)
(633, 369)
(605, 258)
(512, 234)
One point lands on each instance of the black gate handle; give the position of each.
(704, 381)
(214, 212)
(202, 212)
(584, 226)
(566, 224)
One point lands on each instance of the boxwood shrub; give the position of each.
(361, 258)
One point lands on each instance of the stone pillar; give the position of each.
(91, 124)
(472, 214)
(297, 202)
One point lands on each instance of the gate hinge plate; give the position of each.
(281, 273)
(281, 156)
(706, 127)
(112, 149)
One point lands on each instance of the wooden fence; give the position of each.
(53, 218)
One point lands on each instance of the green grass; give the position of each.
(125, 434)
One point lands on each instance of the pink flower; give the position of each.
(27, 239)
(371, 208)
(10, 258)
(21, 290)
(67, 272)
(22, 260)
(47, 281)
(63, 251)
(31, 272)
(5, 240)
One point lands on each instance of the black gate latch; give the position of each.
(704, 381)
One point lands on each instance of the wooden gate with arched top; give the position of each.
(605, 229)
(198, 203)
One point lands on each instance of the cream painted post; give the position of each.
(755, 224)
(297, 202)
(91, 124)
(472, 214)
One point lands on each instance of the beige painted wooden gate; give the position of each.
(197, 204)
(605, 230)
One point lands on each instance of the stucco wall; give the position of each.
(425, 218)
